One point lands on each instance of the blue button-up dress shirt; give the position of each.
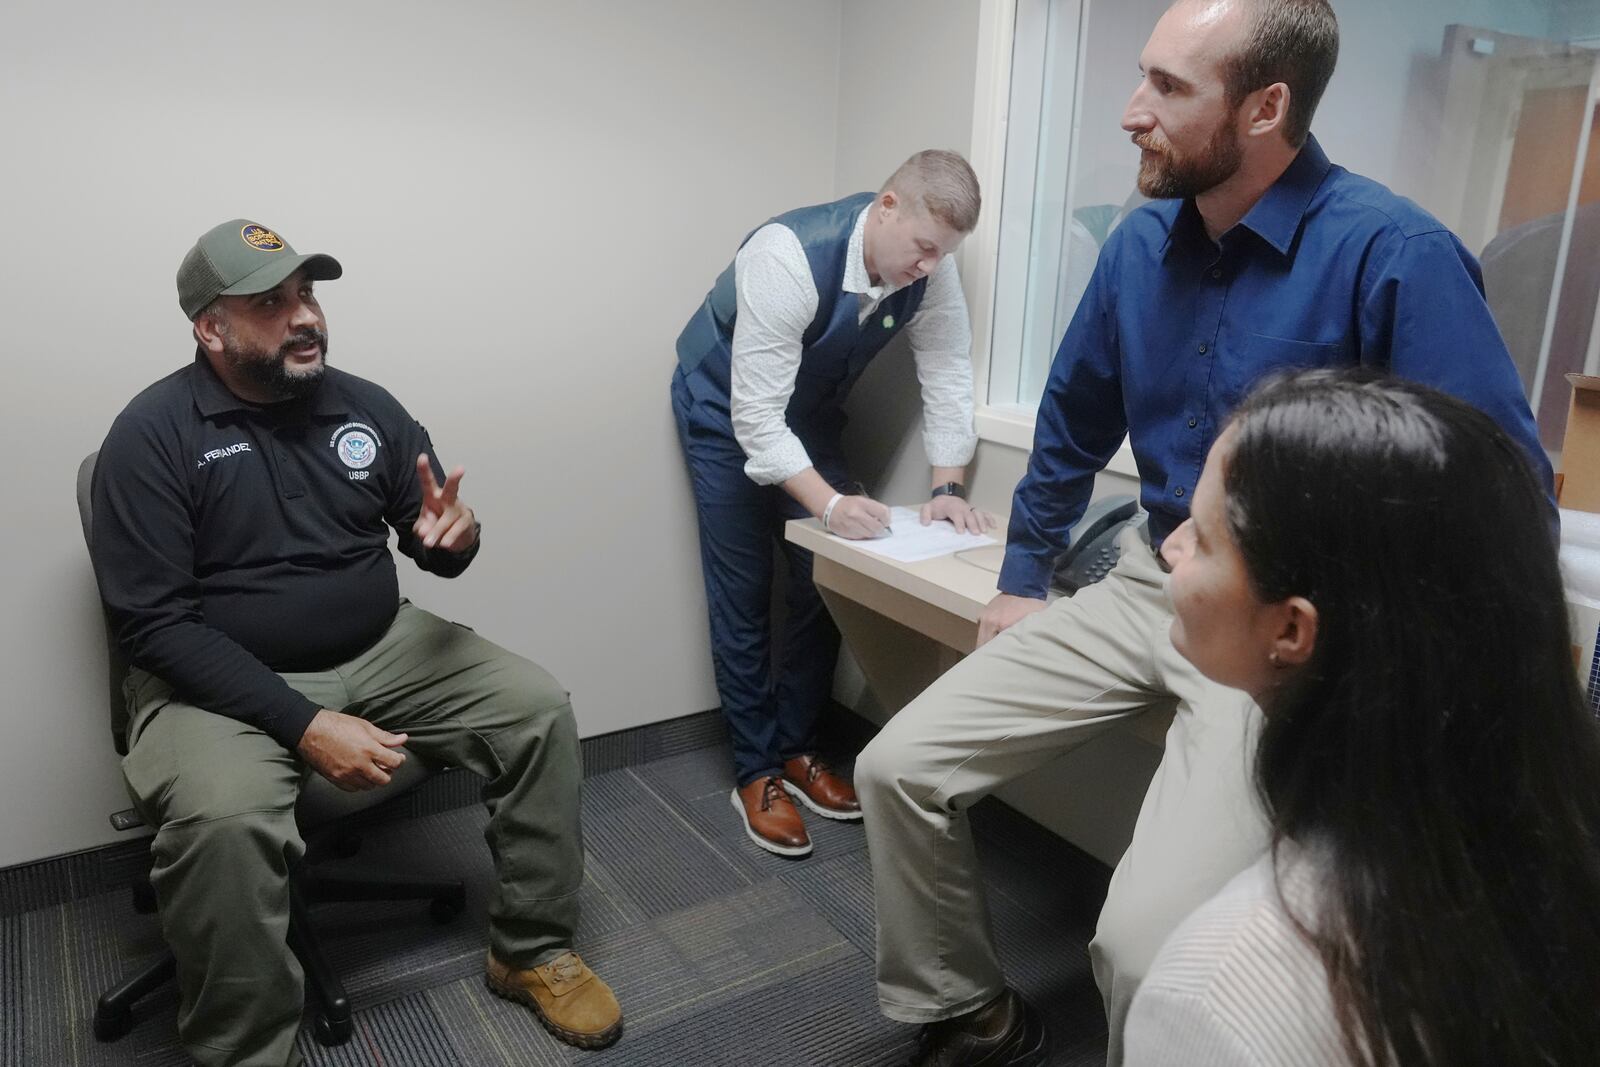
(1327, 269)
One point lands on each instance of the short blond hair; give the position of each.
(1291, 41)
(940, 183)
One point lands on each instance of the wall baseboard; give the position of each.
(111, 868)
(108, 868)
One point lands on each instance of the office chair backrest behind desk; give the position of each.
(116, 662)
(321, 805)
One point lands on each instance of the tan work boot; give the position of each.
(569, 998)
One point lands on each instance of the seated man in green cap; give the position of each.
(242, 510)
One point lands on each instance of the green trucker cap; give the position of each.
(239, 258)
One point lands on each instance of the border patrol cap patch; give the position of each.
(261, 238)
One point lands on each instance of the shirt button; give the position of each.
(1202, 349)
(1216, 272)
(1193, 422)
(1178, 491)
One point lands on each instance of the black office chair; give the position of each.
(320, 812)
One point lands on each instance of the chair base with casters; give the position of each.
(331, 1022)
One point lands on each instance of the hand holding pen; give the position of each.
(856, 516)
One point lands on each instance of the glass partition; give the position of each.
(1483, 111)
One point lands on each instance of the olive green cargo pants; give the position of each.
(222, 794)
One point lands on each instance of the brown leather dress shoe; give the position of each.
(812, 782)
(569, 999)
(770, 817)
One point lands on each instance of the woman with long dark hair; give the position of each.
(1372, 561)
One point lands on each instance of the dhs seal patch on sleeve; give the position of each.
(356, 444)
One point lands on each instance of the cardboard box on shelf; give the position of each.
(1578, 487)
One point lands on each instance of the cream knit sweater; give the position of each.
(1237, 985)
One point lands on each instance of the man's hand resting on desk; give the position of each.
(960, 514)
(350, 752)
(1005, 611)
(858, 518)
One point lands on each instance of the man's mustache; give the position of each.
(303, 337)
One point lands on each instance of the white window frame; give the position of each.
(1001, 424)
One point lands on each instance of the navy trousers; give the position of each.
(771, 711)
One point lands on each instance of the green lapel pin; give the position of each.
(888, 322)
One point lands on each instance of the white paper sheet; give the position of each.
(911, 541)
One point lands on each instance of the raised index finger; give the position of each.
(430, 488)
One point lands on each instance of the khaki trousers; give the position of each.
(221, 795)
(1039, 689)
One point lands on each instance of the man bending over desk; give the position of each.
(764, 367)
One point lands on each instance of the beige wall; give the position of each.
(906, 74)
(528, 199)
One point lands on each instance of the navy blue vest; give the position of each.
(835, 348)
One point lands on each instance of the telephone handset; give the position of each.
(1092, 549)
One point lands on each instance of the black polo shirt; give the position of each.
(232, 540)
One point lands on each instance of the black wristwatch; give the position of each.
(955, 489)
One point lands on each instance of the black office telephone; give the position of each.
(1092, 549)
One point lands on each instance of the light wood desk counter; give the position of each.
(908, 623)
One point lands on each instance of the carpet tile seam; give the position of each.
(745, 981)
(688, 826)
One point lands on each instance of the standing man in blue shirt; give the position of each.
(764, 367)
(1258, 255)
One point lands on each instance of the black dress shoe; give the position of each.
(1006, 1032)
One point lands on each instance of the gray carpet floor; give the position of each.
(720, 953)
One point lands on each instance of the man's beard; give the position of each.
(1167, 176)
(270, 370)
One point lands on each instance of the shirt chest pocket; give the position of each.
(1263, 355)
